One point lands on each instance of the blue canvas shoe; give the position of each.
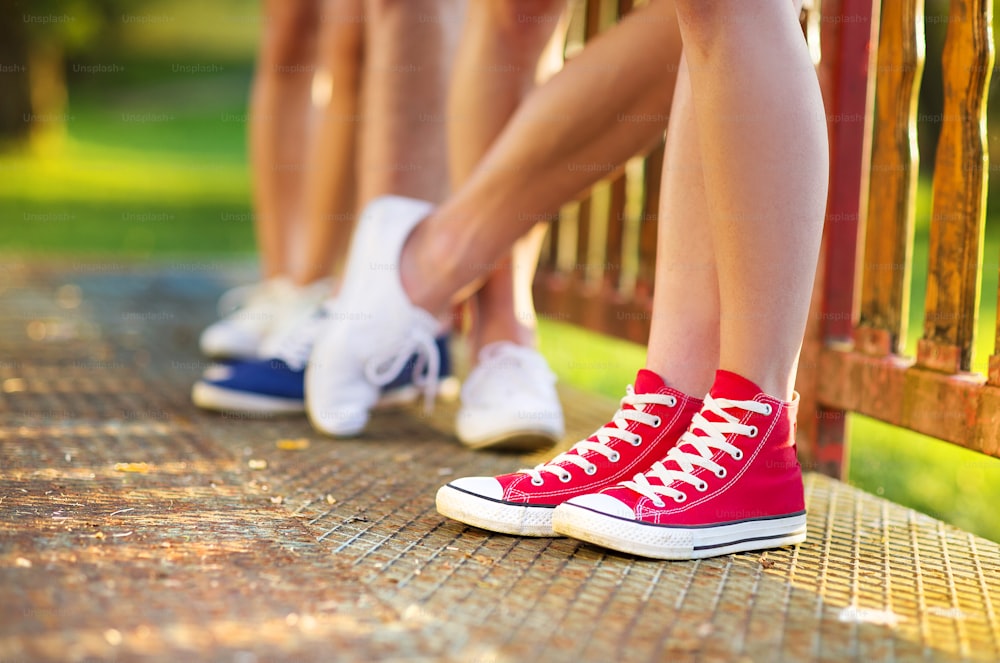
(267, 387)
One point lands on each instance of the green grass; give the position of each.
(153, 164)
(148, 162)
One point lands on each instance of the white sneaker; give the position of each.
(274, 386)
(252, 314)
(509, 401)
(374, 329)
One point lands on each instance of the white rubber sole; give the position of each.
(211, 397)
(447, 390)
(494, 515)
(513, 440)
(676, 543)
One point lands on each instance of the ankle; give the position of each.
(693, 382)
(502, 331)
(424, 271)
(307, 279)
(776, 384)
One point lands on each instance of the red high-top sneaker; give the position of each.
(731, 483)
(649, 421)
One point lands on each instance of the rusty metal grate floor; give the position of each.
(133, 527)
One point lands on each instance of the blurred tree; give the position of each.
(15, 102)
(36, 37)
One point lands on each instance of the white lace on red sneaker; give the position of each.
(617, 429)
(645, 426)
(713, 436)
(509, 401)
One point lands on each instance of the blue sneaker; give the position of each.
(266, 387)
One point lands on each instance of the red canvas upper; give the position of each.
(674, 420)
(766, 482)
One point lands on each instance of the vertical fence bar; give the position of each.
(849, 29)
(616, 216)
(553, 287)
(889, 234)
(959, 209)
(649, 218)
(616, 230)
(592, 27)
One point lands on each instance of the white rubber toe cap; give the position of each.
(482, 486)
(603, 504)
(339, 422)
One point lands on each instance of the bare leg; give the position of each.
(539, 160)
(764, 160)
(495, 69)
(684, 334)
(408, 49)
(329, 177)
(280, 98)
(749, 98)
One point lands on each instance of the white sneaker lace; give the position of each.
(680, 462)
(382, 370)
(616, 430)
(295, 345)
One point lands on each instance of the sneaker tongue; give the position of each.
(733, 387)
(648, 382)
(730, 386)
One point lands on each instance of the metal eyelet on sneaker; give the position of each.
(672, 402)
(537, 482)
(659, 504)
(615, 457)
(752, 432)
(738, 455)
(656, 422)
(701, 487)
(769, 409)
(590, 470)
(721, 473)
(680, 498)
(637, 440)
(566, 478)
